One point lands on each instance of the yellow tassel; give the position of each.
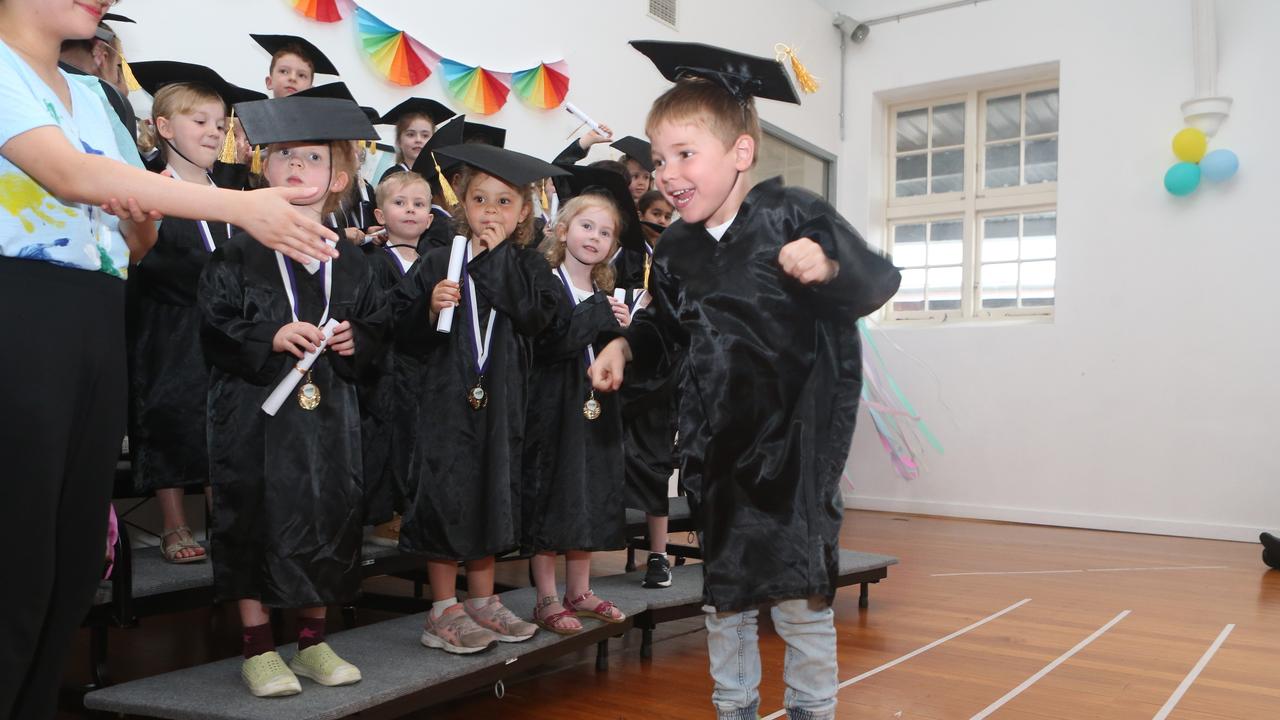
(372, 147)
(648, 261)
(808, 83)
(130, 81)
(445, 188)
(546, 201)
(228, 154)
(256, 166)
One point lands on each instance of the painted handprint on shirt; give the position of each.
(20, 195)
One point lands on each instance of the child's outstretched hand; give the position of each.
(447, 293)
(297, 338)
(620, 311)
(606, 371)
(595, 138)
(343, 341)
(805, 261)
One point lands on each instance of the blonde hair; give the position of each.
(396, 182)
(171, 100)
(523, 234)
(703, 102)
(403, 124)
(554, 246)
(342, 159)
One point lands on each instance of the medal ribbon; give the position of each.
(205, 233)
(291, 287)
(473, 312)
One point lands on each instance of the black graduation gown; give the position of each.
(441, 232)
(573, 482)
(769, 389)
(387, 409)
(465, 470)
(168, 378)
(287, 490)
(358, 206)
(230, 176)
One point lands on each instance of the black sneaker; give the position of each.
(658, 574)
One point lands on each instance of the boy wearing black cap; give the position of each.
(295, 62)
(758, 290)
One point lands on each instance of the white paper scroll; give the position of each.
(574, 111)
(297, 372)
(457, 254)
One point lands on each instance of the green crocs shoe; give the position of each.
(322, 664)
(268, 676)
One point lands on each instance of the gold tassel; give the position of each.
(371, 147)
(256, 166)
(808, 83)
(648, 261)
(228, 154)
(130, 81)
(546, 201)
(445, 188)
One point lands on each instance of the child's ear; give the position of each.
(339, 182)
(164, 128)
(744, 151)
(377, 215)
(267, 81)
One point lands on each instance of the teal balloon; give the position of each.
(1182, 178)
(1219, 165)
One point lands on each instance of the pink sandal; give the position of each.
(555, 622)
(604, 610)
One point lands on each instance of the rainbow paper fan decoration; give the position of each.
(543, 87)
(323, 10)
(398, 57)
(480, 91)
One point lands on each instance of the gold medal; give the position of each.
(309, 394)
(477, 397)
(591, 408)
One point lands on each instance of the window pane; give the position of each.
(908, 246)
(948, 171)
(1042, 112)
(1003, 116)
(948, 125)
(1002, 165)
(1037, 283)
(944, 288)
(1000, 285)
(912, 130)
(946, 243)
(1042, 161)
(1000, 238)
(911, 171)
(911, 293)
(1039, 236)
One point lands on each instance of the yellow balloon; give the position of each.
(1190, 145)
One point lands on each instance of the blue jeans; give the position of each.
(807, 625)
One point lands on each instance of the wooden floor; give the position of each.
(1151, 606)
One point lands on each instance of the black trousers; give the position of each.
(63, 407)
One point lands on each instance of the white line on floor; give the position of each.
(1048, 668)
(1195, 673)
(920, 650)
(1062, 572)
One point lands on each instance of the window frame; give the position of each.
(973, 202)
(828, 160)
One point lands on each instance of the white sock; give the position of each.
(477, 603)
(438, 608)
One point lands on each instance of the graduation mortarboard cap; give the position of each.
(484, 134)
(636, 149)
(115, 17)
(743, 76)
(449, 134)
(417, 106)
(275, 43)
(508, 165)
(156, 74)
(302, 119)
(585, 180)
(337, 91)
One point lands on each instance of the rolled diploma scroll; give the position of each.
(457, 254)
(620, 294)
(574, 111)
(297, 372)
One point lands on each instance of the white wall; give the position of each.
(609, 80)
(1151, 402)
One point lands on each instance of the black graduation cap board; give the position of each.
(743, 76)
(513, 167)
(337, 91)
(155, 74)
(416, 105)
(636, 149)
(300, 119)
(273, 43)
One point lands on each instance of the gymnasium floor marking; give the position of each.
(1089, 570)
(1195, 673)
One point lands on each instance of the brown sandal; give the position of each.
(185, 542)
(554, 621)
(603, 610)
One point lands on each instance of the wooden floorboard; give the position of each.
(1077, 581)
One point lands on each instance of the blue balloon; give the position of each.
(1219, 165)
(1182, 178)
